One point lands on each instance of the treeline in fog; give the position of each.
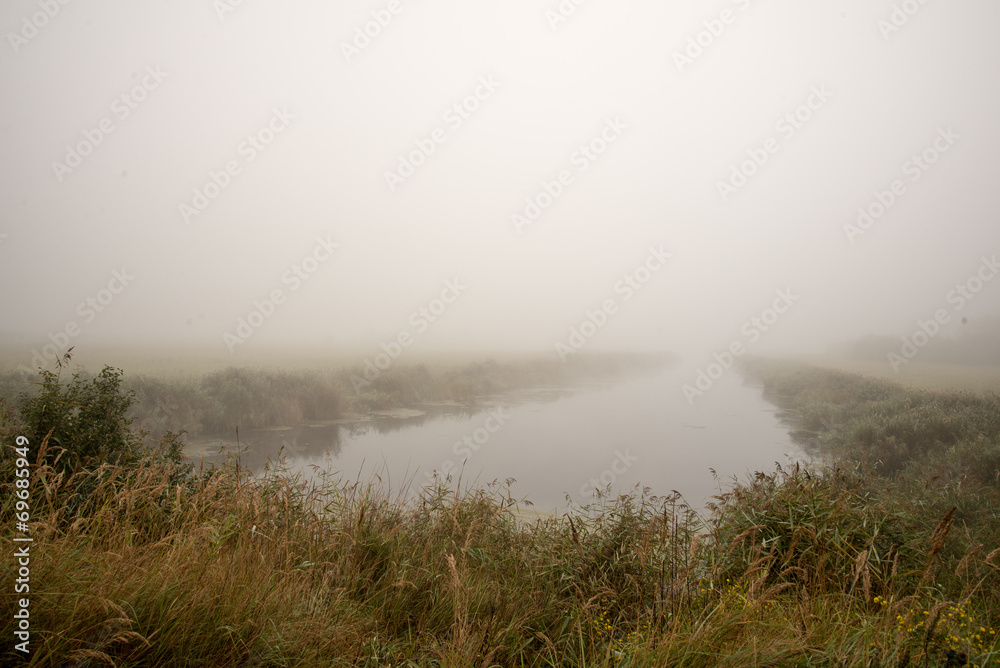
(252, 398)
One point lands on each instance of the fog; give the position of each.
(241, 176)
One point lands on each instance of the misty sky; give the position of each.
(118, 120)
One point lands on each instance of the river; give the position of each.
(553, 442)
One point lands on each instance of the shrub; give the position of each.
(86, 420)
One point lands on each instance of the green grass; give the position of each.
(858, 564)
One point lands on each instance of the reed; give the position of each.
(153, 563)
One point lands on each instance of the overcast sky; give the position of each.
(182, 164)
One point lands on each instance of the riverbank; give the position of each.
(210, 405)
(610, 435)
(873, 562)
(919, 375)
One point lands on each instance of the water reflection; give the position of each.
(310, 442)
(554, 443)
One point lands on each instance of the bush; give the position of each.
(254, 398)
(86, 421)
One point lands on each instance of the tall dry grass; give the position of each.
(154, 565)
(223, 570)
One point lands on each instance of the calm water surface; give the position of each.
(555, 443)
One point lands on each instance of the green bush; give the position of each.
(85, 420)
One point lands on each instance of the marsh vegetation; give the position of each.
(887, 555)
(218, 401)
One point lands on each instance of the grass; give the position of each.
(920, 375)
(850, 565)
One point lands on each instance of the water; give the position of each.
(556, 443)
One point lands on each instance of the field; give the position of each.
(919, 375)
(889, 556)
